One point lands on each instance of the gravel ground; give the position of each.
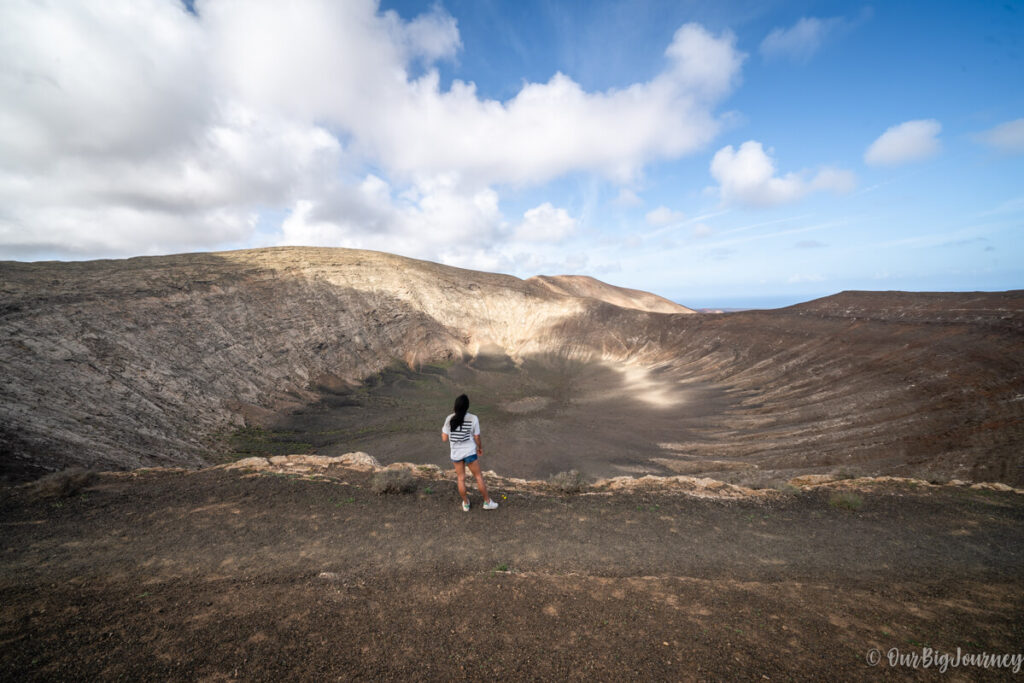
(217, 574)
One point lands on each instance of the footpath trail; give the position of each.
(220, 574)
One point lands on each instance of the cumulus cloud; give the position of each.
(800, 41)
(747, 176)
(429, 37)
(134, 126)
(340, 62)
(114, 140)
(545, 223)
(104, 80)
(435, 219)
(905, 143)
(1007, 137)
(663, 216)
(551, 128)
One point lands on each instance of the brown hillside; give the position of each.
(583, 286)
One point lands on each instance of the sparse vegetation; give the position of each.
(843, 474)
(786, 487)
(846, 500)
(393, 481)
(64, 483)
(248, 442)
(567, 482)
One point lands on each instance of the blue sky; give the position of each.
(719, 153)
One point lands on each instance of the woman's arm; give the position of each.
(444, 437)
(479, 444)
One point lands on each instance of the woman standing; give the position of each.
(462, 431)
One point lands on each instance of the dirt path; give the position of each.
(219, 574)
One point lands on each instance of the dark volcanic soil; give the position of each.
(218, 575)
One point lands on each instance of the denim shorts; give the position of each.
(468, 459)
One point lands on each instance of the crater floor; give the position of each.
(542, 416)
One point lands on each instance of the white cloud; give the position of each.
(551, 128)
(545, 223)
(114, 141)
(834, 179)
(702, 230)
(340, 62)
(82, 231)
(1006, 137)
(124, 80)
(437, 220)
(542, 262)
(904, 143)
(800, 41)
(747, 176)
(133, 126)
(663, 216)
(627, 198)
(429, 37)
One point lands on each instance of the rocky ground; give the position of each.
(299, 571)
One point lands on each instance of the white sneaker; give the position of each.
(490, 505)
(465, 507)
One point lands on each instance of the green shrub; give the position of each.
(393, 481)
(846, 500)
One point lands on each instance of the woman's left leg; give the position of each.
(460, 473)
(474, 467)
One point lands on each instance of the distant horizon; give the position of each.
(746, 303)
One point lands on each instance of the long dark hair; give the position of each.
(461, 408)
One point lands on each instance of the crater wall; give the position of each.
(150, 361)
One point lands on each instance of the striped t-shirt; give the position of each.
(461, 439)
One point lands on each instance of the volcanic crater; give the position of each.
(193, 359)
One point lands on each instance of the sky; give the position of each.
(719, 153)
